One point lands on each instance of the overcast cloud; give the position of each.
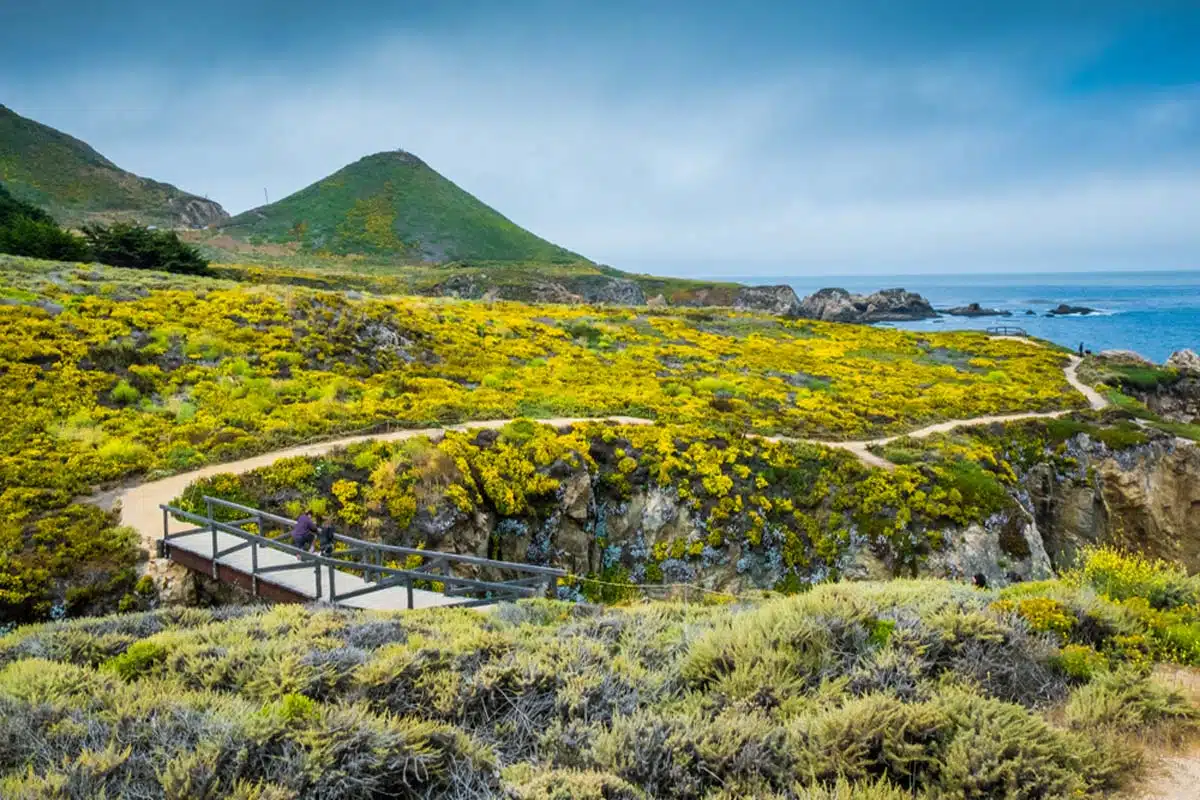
(676, 146)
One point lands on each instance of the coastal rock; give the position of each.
(889, 305)
(1126, 357)
(1186, 361)
(1063, 310)
(617, 291)
(1145, 498)
(779, 300)
(1004, 550)
(975, 310)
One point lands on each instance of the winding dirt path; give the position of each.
(140, 503)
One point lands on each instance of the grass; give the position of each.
(910, 689)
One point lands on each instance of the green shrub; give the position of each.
(124, 393)
(26, 230)
(526, 783)
(1127, 701)
(1081, 662)
(124, 244)
(137, 661)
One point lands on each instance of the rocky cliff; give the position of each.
(1145, 498)
(888, 305)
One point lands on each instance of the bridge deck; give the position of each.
(301, 583)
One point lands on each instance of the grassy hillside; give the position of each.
(393, 204)
(75, 184)
(910, 690)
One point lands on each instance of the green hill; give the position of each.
(75, 184)
(393, 204)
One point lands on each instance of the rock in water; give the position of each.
(1185, 361)
(975, 310)
(889, 305)
(1063, 309)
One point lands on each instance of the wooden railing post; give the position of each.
(212, 526)
(254, 568)
(409, 588)
(332, 589)
(317, 573)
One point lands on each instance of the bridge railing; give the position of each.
(374, 561)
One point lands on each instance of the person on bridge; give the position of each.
(305, 530)
(325, 538)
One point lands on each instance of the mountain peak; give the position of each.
(395, 205)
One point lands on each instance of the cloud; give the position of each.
(809, 164)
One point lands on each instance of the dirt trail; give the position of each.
(140, 503)
(1174, 774)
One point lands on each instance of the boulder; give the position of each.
(1062, 309)
(1126, 357)
(975, 310)
(1186, 361)
(779, 300)
(889, 305)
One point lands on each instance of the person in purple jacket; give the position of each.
(305, 531)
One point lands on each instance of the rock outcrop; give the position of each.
(779, 300)
(1175, 396)
(1062, 310)
(196, 212)
(975, 310)
(1146, 498)
(1127, 357)
(888, 305)
(1186, 361)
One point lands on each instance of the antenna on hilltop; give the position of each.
(266, 200)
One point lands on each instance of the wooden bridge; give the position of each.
(358, 573)
(1007, 330)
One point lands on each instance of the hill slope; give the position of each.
(393, 204)
(76, 184)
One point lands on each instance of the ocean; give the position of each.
(1154, 313)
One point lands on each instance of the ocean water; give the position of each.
(1153, 313)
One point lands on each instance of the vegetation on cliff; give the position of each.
(760, 513)
(908, 689)
(111, 373)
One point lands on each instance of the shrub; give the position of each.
(124, 244)
(26, 230)
(1126, 701)
(1121, 576)
(1081, 662)
(137, 661)
(124, 393)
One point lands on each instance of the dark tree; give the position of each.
(127, 245)
(26, 230)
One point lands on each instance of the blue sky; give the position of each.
(695, 138)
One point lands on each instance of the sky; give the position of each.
(700, 138)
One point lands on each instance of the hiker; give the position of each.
(305, 531)
(1081, 349)
(325, 537)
